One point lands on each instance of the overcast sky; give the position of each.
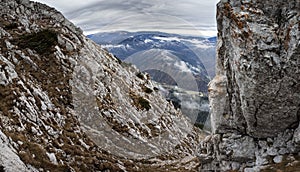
(190, 17)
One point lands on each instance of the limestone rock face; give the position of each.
(66, 104)
(255, 96)
(256, 91)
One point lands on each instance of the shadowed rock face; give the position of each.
(256, 91)
(255, 96)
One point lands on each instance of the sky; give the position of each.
(187, 17)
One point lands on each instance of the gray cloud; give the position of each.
(193, 17)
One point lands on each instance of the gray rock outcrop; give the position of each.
(255, 96)
(66, 104)
(258, 69)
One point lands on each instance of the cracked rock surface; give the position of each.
(68, 105)
(255, 96)
(259, 66)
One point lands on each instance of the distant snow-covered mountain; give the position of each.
(186, 59)
(183, 65)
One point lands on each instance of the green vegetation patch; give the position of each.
(140, 102)
(287, 165)
(199, 125)
(2, 168)
(146, 89)
(36, 155)
(42, 42)
(140, 75)
(11, 26)
(145, 104)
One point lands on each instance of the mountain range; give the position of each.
(173, 61)
(168, 58)
(66, 104)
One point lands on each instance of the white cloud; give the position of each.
(193, 17)
(182, 66)
(167, 38)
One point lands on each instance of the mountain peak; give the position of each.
(68, 105)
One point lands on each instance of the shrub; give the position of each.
(11, 26)
(146, 89)
(199, 125)
(42, 42)
(140, 75)
(145, 104)
(117, 58)
(140, 102)
(41, 160)
(2, 168)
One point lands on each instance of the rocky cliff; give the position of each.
(68, 105)
(255, 96)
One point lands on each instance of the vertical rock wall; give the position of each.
(258, 67)
(255, 96)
